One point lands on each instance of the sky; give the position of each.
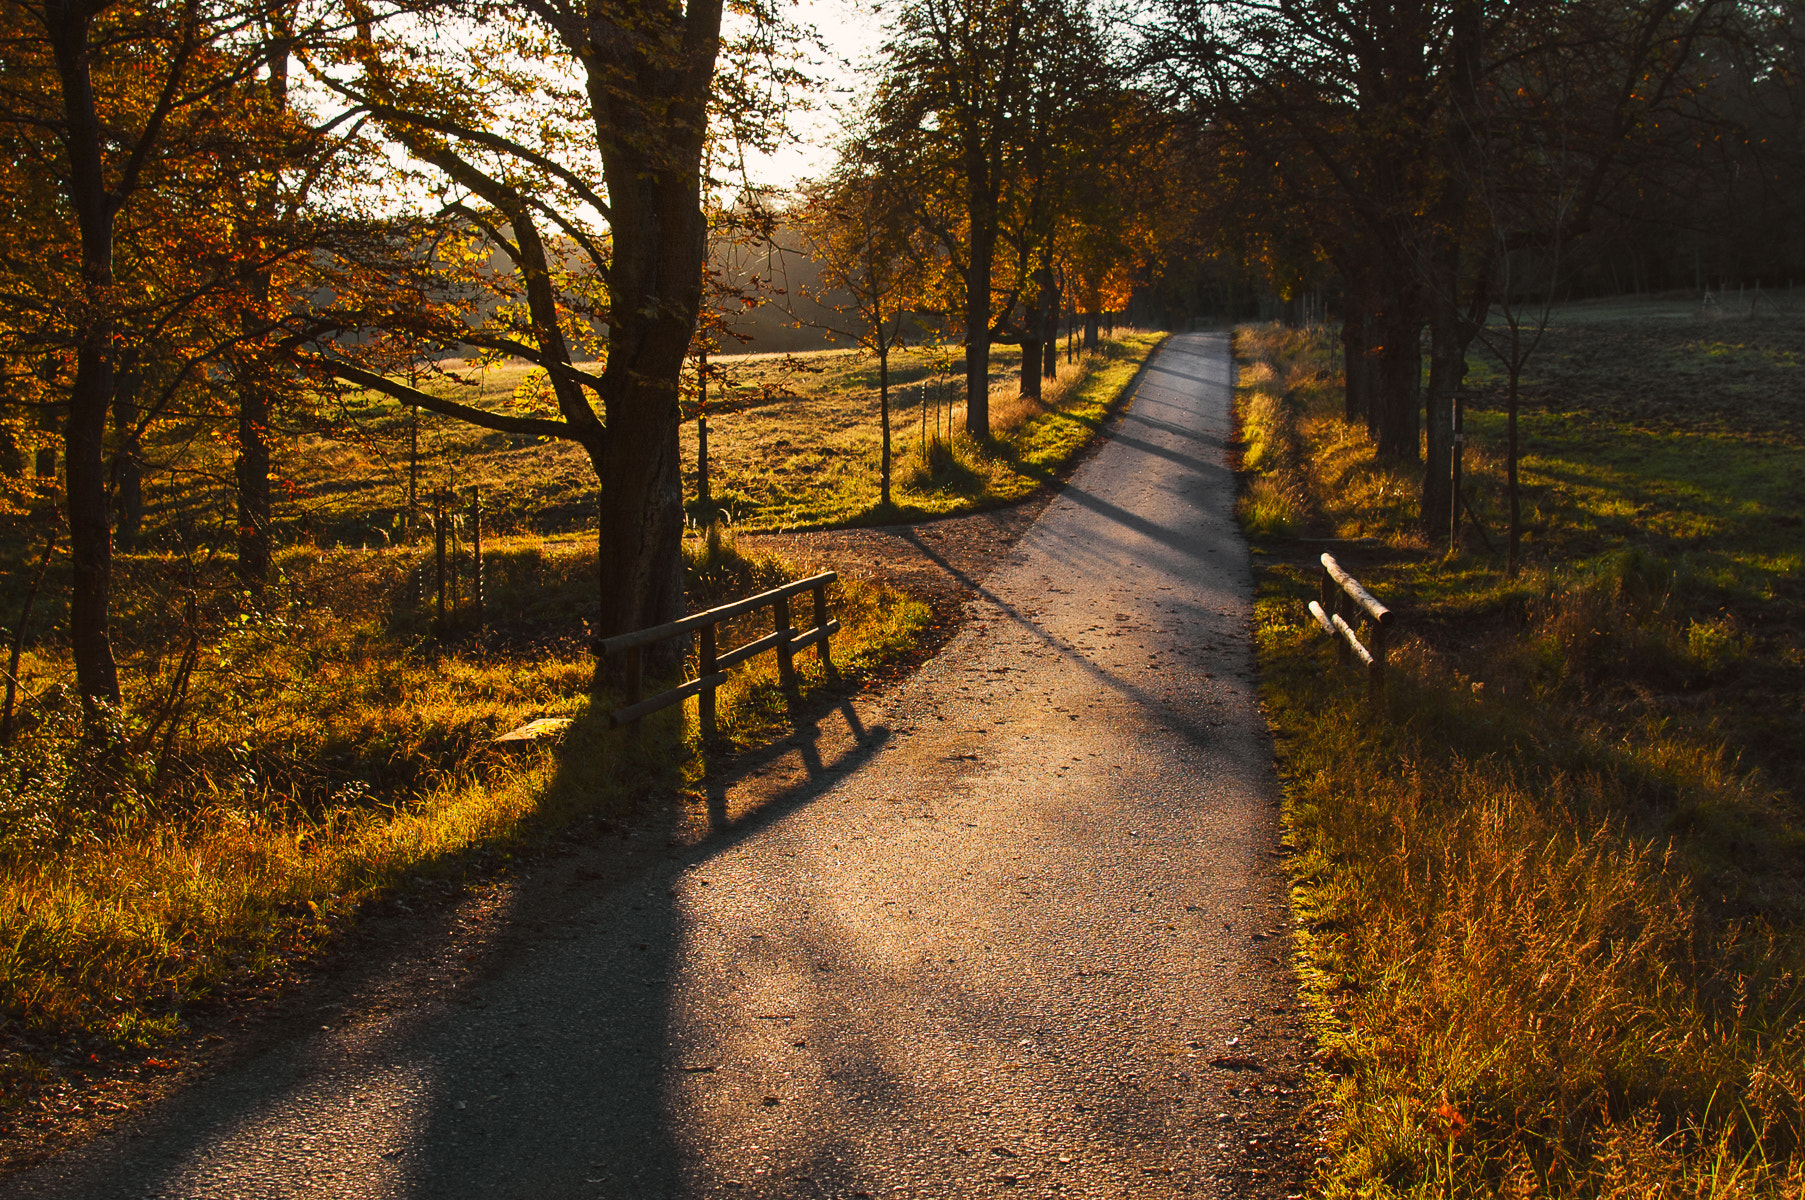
(852, 32)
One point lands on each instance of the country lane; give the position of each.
(1018, 927)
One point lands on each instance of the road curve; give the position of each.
(1017, 926)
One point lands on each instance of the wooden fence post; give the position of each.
(476, 552)
(438, 531)
(1375, 674)
(1331, 608)
(705, 713)
(452, 520)
(827, 662)
(786, 665)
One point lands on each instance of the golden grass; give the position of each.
(794, 443)
(1552, 940)
(323, 759)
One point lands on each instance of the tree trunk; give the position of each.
(1398, 371)
(704, 497)
(1092, 320)
(653, 123)
(1031, 355)
(1052, 302)
(1357, 365)
(883, 420)
(660, 247)
(91, 393)
(252, 468)
(1515, 537)
(1448, 335)
(977, 332)
(1447, 367)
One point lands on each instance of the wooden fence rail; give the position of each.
(713, 663)
(1342, 594)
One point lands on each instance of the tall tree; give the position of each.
(1377, 107)
(122, 111)
(596, 107)
(969, 89)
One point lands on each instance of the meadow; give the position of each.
(793, 444)
(1550, 889)
(288, 756)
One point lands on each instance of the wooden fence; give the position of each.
(784, 639)
(1342, 594)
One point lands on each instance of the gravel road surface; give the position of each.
(1016, 927)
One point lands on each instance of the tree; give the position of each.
(968, 87)
(122, 112)
(872, 260)
(1379, 109)
(593, 107)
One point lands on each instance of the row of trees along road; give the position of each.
(219, 210)
(975, 183)
(1425, 151)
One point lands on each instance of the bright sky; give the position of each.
(852, 32)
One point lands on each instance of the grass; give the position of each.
(326, 754)
(285, 757)
(793, 445)
(1549, 890)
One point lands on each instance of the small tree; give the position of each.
(871, 258)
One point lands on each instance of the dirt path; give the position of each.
(1015, 925)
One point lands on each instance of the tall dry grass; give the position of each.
(325, 752)
(1553, 950)
(1031, 438)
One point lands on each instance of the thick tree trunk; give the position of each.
(1357, 365)
(1398, 371)
(91, 394)
(652, 121)
(977, 333)
(1092, 320)
(660, 245)
(1031, 356)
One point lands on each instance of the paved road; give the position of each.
(987, 938)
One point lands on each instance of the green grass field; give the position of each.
(793, 444)
(1550, 890)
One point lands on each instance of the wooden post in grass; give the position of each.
(1331, 605)
(476, 553)
(1460, 438)
(1375, 674)
(786, 664)
(705, 713)
(438, 541)
(450, 502)
(827, 663)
